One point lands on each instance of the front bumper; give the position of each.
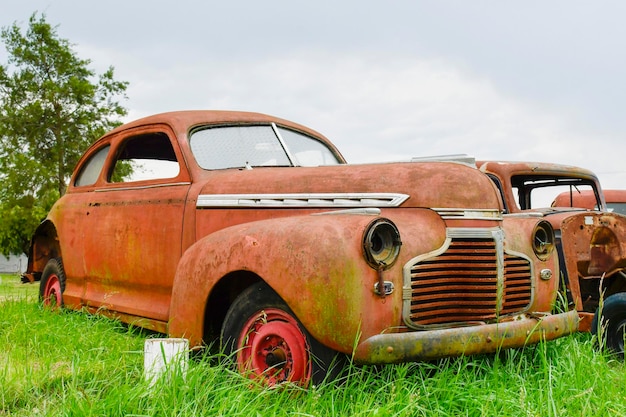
(486, 338)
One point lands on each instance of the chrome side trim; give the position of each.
(302, 200)
(461, 213)
(367, 211)
(525, 214)
(141, 187)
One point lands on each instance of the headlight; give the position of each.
(543, 240)
(381, 243)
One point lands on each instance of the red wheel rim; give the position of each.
(52, 292)
(274, 349)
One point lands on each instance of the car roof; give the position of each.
(184, 120)
(587, 199)
(536, 168)
(615, 196)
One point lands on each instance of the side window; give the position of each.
(145, 157)
(519, 198)
(91, 169)
(498, 184)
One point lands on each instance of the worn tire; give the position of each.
(613, 322)
(52, 284)
(267, 343)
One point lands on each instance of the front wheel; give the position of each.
(612, 326)
(52, 284)
(267, 343)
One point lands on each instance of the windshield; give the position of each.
(257, 146)
(541, 191)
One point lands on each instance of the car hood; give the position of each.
(426, 185)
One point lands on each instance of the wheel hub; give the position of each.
(274, 348)
(276, 358)
(52, 292)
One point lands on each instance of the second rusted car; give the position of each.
(251, 230)
(615, 200)
(591, 239)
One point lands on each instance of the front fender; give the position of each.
(316, 265)
(519, 241)
(313, 262)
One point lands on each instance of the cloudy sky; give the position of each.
(387, 80)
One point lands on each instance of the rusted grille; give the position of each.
(461, 285)
(517, 286)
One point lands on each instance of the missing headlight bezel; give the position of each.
(381, 244)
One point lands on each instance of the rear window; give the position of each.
(91, 169)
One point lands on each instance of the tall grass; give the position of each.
(60, 363)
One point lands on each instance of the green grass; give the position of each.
(61, 363)
(12, 288)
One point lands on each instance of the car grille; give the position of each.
(466, 284)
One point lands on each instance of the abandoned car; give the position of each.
(251, 231)
(615, 200)
(591, 243)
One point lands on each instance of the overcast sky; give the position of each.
(384, 80)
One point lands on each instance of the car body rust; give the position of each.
(230, 206)
(591, 237)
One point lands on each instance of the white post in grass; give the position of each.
(168, 356)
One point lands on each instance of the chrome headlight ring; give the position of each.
(381, 244)
(543, 239)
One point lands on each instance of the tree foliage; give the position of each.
(52, 107)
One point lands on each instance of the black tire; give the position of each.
(52, 284)
(613, 324)
(260, 311)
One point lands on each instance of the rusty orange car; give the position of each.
(251, 232)
(615, 200)
(591, 238)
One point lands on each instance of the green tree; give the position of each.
(52, 107)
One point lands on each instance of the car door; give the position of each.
(134, 242)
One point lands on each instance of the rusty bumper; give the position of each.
(471, 340)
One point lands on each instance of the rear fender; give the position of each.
(44, 245)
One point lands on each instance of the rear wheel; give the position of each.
(612, 329)
(52, 284)
(265, 340)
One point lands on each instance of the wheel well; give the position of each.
(591, 292)
(44, 246)
(220, 300)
